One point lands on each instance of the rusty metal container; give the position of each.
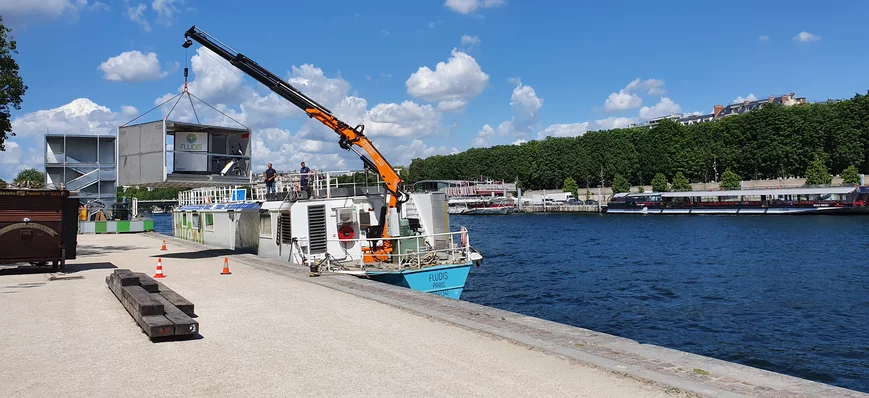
(37, 226)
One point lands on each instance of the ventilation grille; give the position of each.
(285, 230)
(317, 229)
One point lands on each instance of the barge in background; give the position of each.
(823, 200)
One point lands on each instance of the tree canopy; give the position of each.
(817, 174)
(30, 178)
(851, 175)
(12, 87)
(773, 142)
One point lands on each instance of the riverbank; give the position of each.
(268, 329)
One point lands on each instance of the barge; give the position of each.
(809, 200)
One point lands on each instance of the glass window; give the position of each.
(209, 222)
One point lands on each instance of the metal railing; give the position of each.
(320, 183)
(409, 252)
(210, 195)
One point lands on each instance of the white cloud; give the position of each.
(741, 99)
(451, 105)
(129, 111)
(132, 66)
(518, 142)
(614, 123)
(806, 37)
(407, 119)
(404, 154)
(460, 78)
(651, 86)
(81, 116)
(525, 105)
(663, 108)
(166, 11)
(470, 41)
(525, 102)
(484, 136)
(469, 6)
(21, 12)
(563, 130)
(763, 38)
(214, 79)
(136, 14)
(16, 158)
(621, 101)
(628, 98)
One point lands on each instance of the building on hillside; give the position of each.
(83, 163)
(722, 111)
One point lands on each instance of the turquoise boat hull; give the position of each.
(443, 280)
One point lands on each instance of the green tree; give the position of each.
(12, 87)
(621, 184)
(851, 176)
(641, 189)
(570, 186)
(730, 180)
(681, 183)
(659, 183)
(587, 194)
(2, 183)
(817, 174)
(30, 178)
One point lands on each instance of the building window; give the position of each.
(265, 225)
(209, 222)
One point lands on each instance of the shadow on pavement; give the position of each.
(26, 269)
(88, 250)
(198, 254)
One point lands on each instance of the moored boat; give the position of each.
(335, 230)
(809, 200)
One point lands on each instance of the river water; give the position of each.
(784, 293)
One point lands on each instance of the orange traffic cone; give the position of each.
(164, 246)
(159, 273)
(225, 267)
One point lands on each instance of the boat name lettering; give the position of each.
(440, 276)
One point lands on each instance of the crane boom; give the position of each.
(349, 136)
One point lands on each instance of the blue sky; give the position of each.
(426, 77)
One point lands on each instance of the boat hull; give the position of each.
(443, 280)
(742, 210)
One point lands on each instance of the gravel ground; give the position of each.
(263, 334)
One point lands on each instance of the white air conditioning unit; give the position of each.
(346, 216)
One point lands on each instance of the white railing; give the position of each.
(410, 252)
(210, 195)
(317, 181)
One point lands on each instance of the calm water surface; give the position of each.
(788, 294)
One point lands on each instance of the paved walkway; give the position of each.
(263, 334)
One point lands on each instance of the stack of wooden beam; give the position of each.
(157, 309)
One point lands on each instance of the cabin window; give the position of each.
(209, 222)
(195, 220)
(265, 225)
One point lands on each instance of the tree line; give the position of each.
(773, 142)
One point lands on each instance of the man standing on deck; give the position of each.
(303, 183)
(270, 175)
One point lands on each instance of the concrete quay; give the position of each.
(270, 330)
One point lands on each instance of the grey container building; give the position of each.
(85, 163)
(167, 153)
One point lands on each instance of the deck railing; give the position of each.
(410, 252)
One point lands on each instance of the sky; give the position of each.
(424, 77)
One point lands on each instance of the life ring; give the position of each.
(346, 233)
(464, 237)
